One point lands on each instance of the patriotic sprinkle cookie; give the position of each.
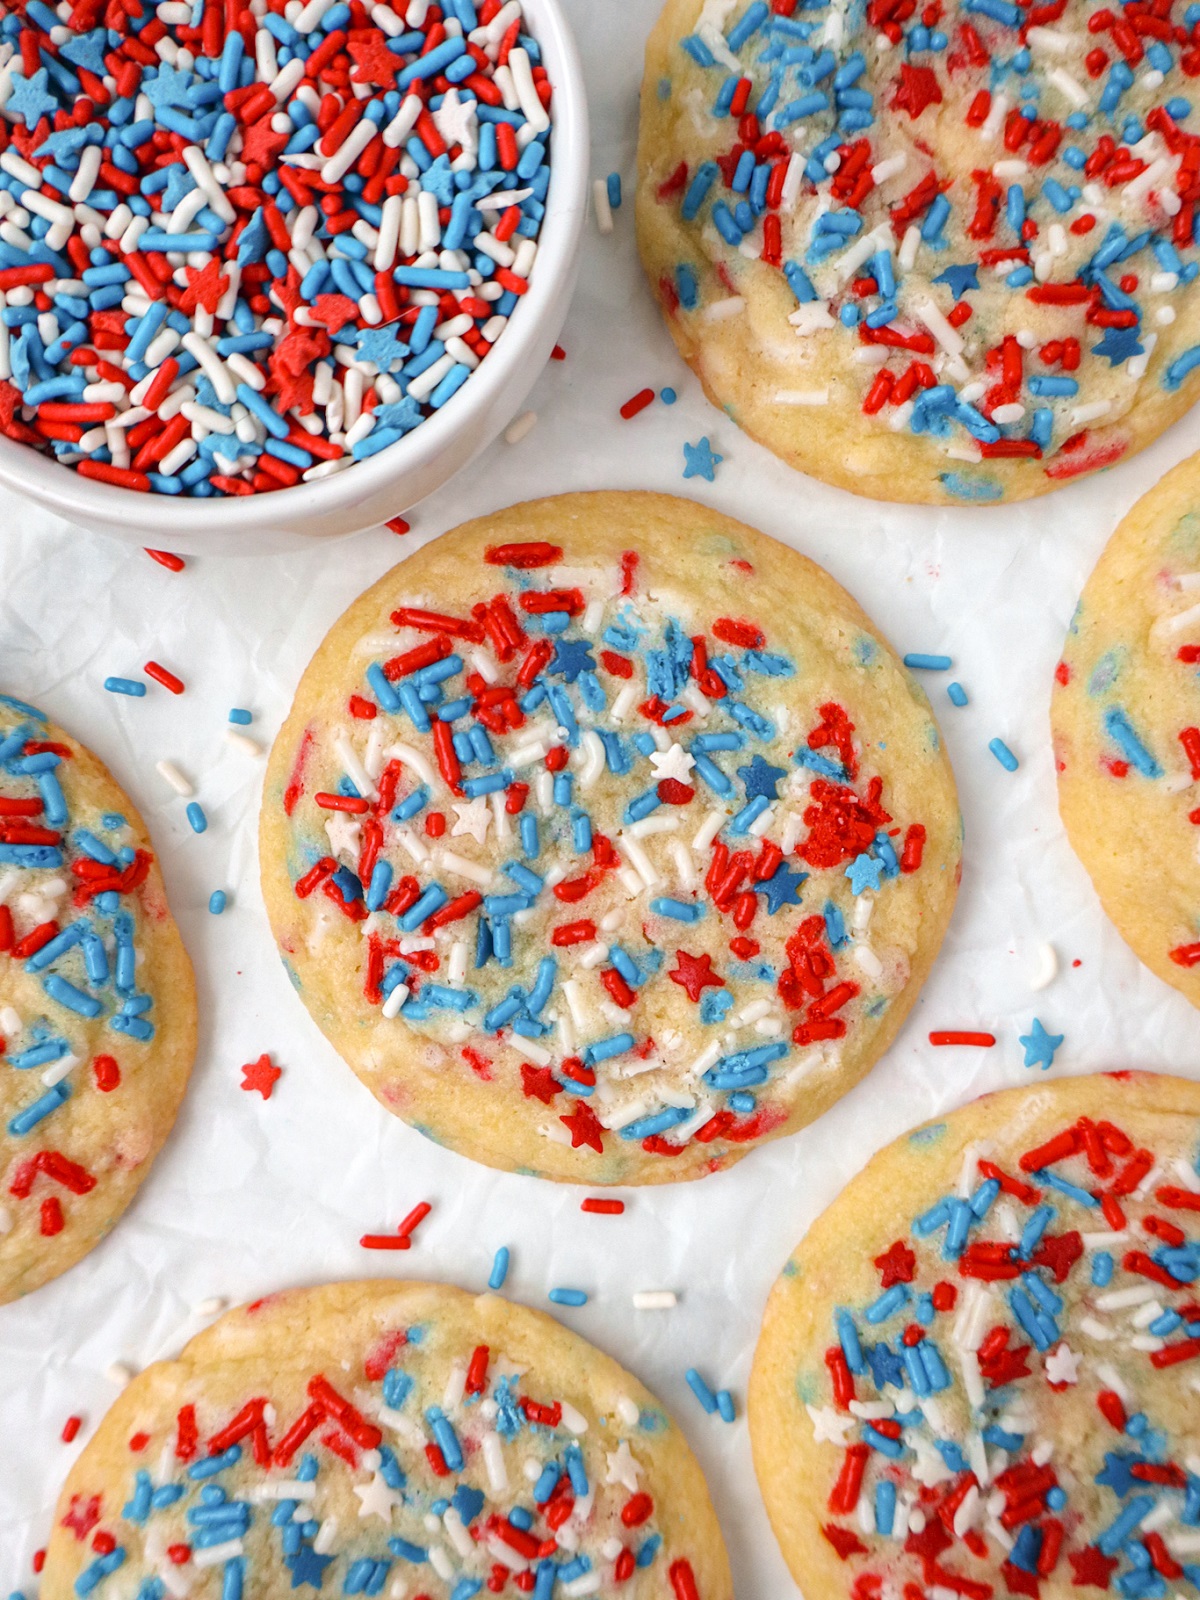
(979, 1375)
(1126, 720)
(939, 252)
(606, 839)
(244, 245)
(97, 1002)
(396, 1439)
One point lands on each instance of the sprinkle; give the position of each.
(414, 1219)
(130, 686)
(921, 663)
(957, 694)
(261, 1075)
(1040, 1047)
(639, 402)
(726, 1406)
(521, 427)
(499, 1270)
(71, 1428)
(217, 901)
(602, 206)
(602, 1208)
(196, 817)
(1003, 755)
(166, 559)
(951, 1036)
(567, 1297)
(654, 1299)
(701, 1390)
(161, 675)
(176, 779)
(701, 460)
(385, 1241)
(242, 717)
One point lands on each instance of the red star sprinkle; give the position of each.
(333, 311)
(205, 287)
(844, 1541)
(1091, 1568)
(261, 1075)
(695, 973)
(373, 62)
(585, 1128)
(897, 1264)
(916, 88)
(539, 1083)
(82, 1515)
(261, 144)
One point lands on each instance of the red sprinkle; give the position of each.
(953, 1036)
(161, 675)
(166, 559)
(639, 402)
(603, 1208)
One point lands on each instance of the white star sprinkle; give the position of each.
(674, 762)
(376, 1499)
(473, 818)
(622, 1468)
(456, 121)
(345, 837)
(830, 1426)
(1062, 1365)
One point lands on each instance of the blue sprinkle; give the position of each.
(921, 663)
(196, 817)
(130, 686)
(217, 901)
(957, 694)
(567, 1297)
(1003, 755)
(499, 1268)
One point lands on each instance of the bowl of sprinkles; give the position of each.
(291, 263)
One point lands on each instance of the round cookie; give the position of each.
(979, 1373)
(97, 1002)
(940, 253)
(657, 839)
(1126, 723)
(387, 1438)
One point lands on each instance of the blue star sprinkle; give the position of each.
(254, 241)
(782, 888)
(864, 872)
(168, 87)
(1040, 1046)
(761, 778)
(87, 51)
(381, 346)
(571, 657)
(179, 183)
(700, 460)
(960, 279)
(306, 1566)
(1117, 1475)
(1118, 344)
(403, 414)
(65, 144)
(29, 99)
(439, 180)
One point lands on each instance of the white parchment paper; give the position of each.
(250, 1196)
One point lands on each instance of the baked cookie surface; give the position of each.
(606, 838)
(938, 253)
(1126, 723)
(387, 1438)
(97, 1002)
(978, 1372)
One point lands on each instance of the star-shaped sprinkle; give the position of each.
(332, 311)
(960, 279)
(620, 1467)
(571, 657)
(897, 1264)
(585, 1128)
(168, 87)
(700, 460)
(261, 1075)
(403, 414)
(1062, 1366)
(456, 120)
(179, 184)
(474, 817)
(376, 1499)
(254, 240)
(373, 62)
(381, 346)
(261, 144)
(1040, 1046)
(306, 1566)
(673, 762)
(695, 973)
(830, 1426)
(29, 100)
(87, 50)
(1091, 1567)
(439, 180)
(538, 1083)
(345, 837)
(1118, 344)
(1116, 1474)
(864, 872)
(761, 778)
(205, 286)
(64, 144)
(782, 888)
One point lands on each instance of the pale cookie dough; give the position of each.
(97, 1002)
(396, 1439)
(938, 253)
(979, 1374)
(697, 851)
(1126, 721)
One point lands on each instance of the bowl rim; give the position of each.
(82, 500)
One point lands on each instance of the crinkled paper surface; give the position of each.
(250, 1196)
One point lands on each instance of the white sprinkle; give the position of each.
(1046, 971)
(119, 1373)
(604, 216)
(520, 427)
(654, 1299)
(176, 779)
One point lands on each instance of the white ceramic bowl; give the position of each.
(385, 485)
